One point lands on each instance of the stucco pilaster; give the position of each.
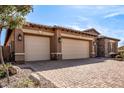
(92, 48)
(56, 53)
(19, 46)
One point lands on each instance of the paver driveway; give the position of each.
(94, 72)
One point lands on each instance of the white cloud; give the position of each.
(113, 14)
(87, 19)
(100, 10)
(101, 29)
(76, 27)
(121, 42)
(82, 18)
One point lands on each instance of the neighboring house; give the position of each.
(40, 42)
(121, 49)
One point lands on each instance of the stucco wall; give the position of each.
(100, 47)
(104, 47)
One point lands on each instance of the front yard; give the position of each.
(85, 73)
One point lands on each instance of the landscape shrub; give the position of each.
(26, 83)
(2, 74)
(119, 57)
(10, 68)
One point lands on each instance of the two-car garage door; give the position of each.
(37, 48)
(74, 49)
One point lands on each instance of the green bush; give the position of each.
(122, 55)
(3, 70)
(7, 65)
(2, 74)
(118, 56)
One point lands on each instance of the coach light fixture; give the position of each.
(59, 39)
(19, 37)
(94, 43)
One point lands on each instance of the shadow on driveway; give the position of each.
(51, 65)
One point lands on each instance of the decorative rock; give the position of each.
(12, 70)
(0, 86)
(34, 77)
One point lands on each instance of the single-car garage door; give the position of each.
(37, 48)
(74, 49)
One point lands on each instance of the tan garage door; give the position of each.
(37, 48)
(74, 49)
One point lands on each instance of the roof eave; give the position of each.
(110, 38)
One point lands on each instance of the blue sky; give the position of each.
(108, 20)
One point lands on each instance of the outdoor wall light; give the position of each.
(19, 37)
(59, 39)
(94, 43)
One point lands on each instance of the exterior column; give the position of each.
(19, 46)
(106, 47)
(92, 49)
(56, 53)
(116, 47)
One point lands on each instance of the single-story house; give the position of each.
(35, 42)
(121, 50)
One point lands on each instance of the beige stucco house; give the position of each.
(35, 42)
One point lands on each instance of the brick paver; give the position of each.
(94, 72)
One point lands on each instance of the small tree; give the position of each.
(12, 17)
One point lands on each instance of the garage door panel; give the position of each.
(75, 49)
(37, 48)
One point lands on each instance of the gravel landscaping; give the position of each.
(22, 79)
(16, 79)
(86, 73)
